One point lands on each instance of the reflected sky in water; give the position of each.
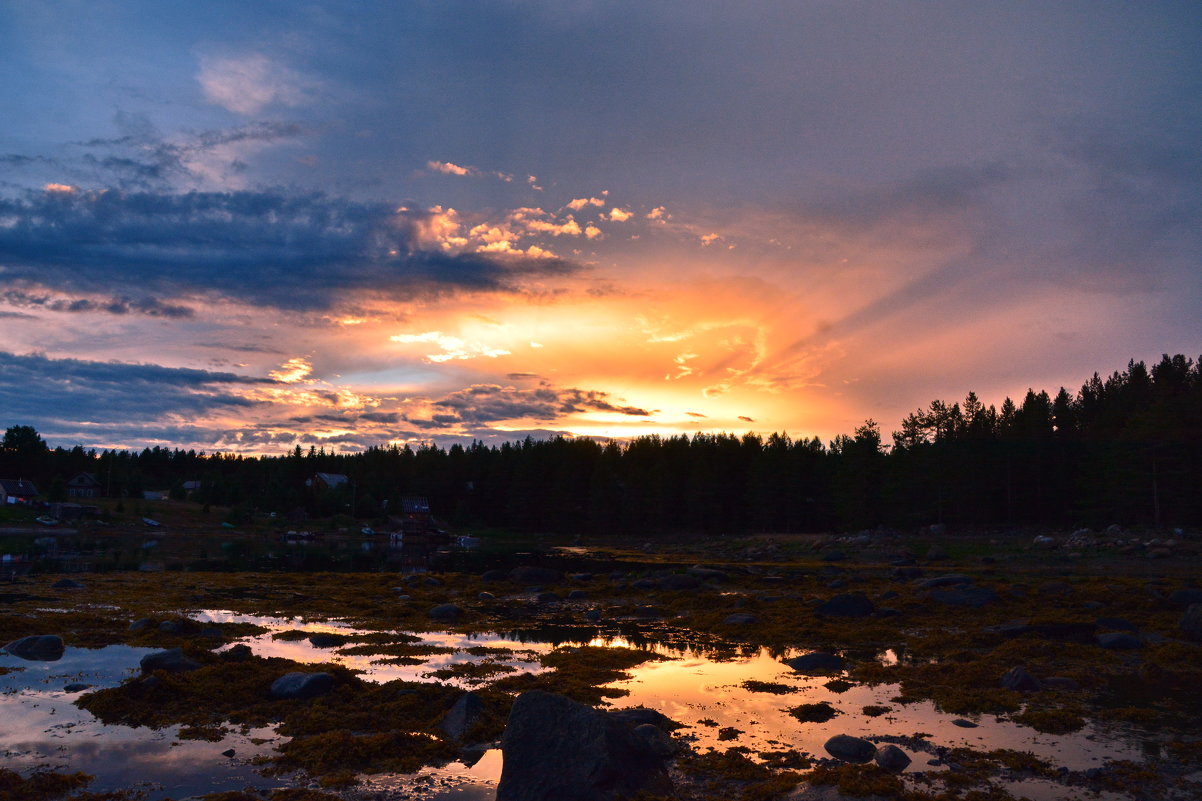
(43, 729)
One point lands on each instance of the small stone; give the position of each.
(67, 584)
(170, 661)
(447, 613)
(847, 605)
(1018, 678)
(229, 752)
(816, 662)
(1119, 641)
(486, 596)
(327, 640)
(850, 749)
(892, 758)
(964, 724)
(78, 687)
(739, 619)
(302, 685)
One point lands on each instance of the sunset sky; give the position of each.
(243, 226)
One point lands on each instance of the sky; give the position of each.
(249, 226)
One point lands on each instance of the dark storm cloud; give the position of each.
(293, 252)
(489, 403)
(111, 392)
(151, 307)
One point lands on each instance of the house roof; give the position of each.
(332, 479)
(18, 487)
(84, 480)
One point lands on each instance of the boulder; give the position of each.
(325, 639)
(973, 597)
(964, 724)
(1018, 678)
(77, 687)
(172, 661)
(548, 598)
(641, 715)
(706, 573)
(462, 717)
(486, 596)
(848, 605)
(949, 580)
(816, 662)
(850, 749)
(302, 685)
(447, 613)
(1119, 641)
(555, 748)
(142, 624)
(67, 584)
(657, 741)
(577, 595)
(1116, 624)
(739, 619)
(237, 653)
(679, 581)
(892, 758)
(1191, 622)
(37, 648)
(1186, 596)
(529, 574)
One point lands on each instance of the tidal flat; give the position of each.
(996, 666)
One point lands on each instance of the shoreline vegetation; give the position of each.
(1126, 449)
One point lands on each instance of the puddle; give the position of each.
(698, 687)
(43, 729)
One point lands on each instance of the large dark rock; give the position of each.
(848, 605)
(447, 613)
(462, 717)
(817, 662)
(172, 661)
(328, 639)
(1020, 679)
(850, 749)
(67, 584)
(37, 648)
(302, 685)
(555, 748)
(529, 574)
(974, 597)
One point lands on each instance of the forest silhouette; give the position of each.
(1125, 449)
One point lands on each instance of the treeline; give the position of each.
(1125, 449)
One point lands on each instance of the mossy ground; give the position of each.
(953, 656)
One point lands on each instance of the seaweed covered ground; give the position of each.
(1074, 639)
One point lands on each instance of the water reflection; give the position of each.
(43, 729)
(700, 683)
